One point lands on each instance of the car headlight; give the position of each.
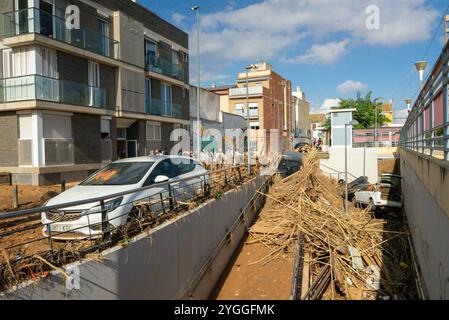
(108, 206)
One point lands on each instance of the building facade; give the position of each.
(300, 115)
(72, 99)
(212, 117)
(270, 105)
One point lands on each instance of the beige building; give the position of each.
(300, 115)
(270, 105)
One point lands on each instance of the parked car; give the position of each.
(386, 193)
(120, 176)
(290, 163)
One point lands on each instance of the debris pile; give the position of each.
(342, 257)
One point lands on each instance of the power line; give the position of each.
(425, 54)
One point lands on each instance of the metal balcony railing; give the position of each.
(34, 87)
(165, 67)
(33, 20)
(427, 127)
(163, 108)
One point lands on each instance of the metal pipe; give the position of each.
(346, 170)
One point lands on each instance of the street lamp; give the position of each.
(197, 9)
(248, 125)
(352, 123)
(420, 67)
(408, 103)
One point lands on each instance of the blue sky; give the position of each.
(322, 45)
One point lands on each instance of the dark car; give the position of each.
(290, 163)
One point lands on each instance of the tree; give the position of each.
(366, 110)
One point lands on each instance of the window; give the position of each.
(153, 131)
(164, 168)
(185, 57)
(186, 166)
(150, 52)
(58, 142)
(239, 108)
(48, 63)
(103, 31)
(148, 88)
(174, 57)
(122, 173)
(7, 63)
(94, 74)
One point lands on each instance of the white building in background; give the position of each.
(300, 115)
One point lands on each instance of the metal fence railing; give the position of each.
(427, 127)
(54, 231)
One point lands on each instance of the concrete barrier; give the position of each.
(183, 258)
(426, 199)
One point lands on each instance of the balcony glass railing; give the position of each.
(36, 87)
(165, 67)
(163, 108)
(256, 90)
(253, 113)
(33, 20)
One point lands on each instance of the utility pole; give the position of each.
(248, 124)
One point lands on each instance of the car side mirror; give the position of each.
(160, 179)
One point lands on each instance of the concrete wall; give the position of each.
(9, 144)
(209, 104)
(336, 161)
(425, 190)
(170, 262)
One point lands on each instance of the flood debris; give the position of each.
(355, 257)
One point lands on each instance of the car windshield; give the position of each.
(120, 173)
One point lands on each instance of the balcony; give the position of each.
(32, 20)
(163, 108)
(241, 92)
(36, 87)
(253, 113)
(164, 67)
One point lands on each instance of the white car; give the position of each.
(84, 221)
(386, 193)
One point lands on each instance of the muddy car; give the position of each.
(386, 193)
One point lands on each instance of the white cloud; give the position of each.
(351, 86)
(276, 28)
(177, 18)
(323, 54)
(328, 104)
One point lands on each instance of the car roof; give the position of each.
(153, 159)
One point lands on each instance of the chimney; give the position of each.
(446, 29)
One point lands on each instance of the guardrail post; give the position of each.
(15, 197)
(50, 239)
(105, 222)
(62, 185)
(170, 195)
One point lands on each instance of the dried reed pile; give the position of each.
(354, 257)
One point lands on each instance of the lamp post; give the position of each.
(197, 9)
(408, 103)
(352, 123)
(421, 67)
(248, 124)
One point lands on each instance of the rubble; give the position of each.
(354, 257)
